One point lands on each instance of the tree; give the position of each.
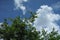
(22, 29)
(19, 29)
(53, 35)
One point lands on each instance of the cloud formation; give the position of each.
(46, 19)
(19, 5)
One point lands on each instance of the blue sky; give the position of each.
(7, 7)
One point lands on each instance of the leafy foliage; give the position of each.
(22, 29)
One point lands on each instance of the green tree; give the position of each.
(22, 29)
(19, 29)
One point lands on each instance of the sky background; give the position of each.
(9, 9)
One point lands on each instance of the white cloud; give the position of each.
(25, 0)
(19, 5)
(46, 19)
(1, 39)
(0, 24)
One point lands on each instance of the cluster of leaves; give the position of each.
(53, 35)
(23, 30)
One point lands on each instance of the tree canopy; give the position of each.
(23, 29)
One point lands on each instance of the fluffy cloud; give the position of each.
(19, 5)
(46, 19)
